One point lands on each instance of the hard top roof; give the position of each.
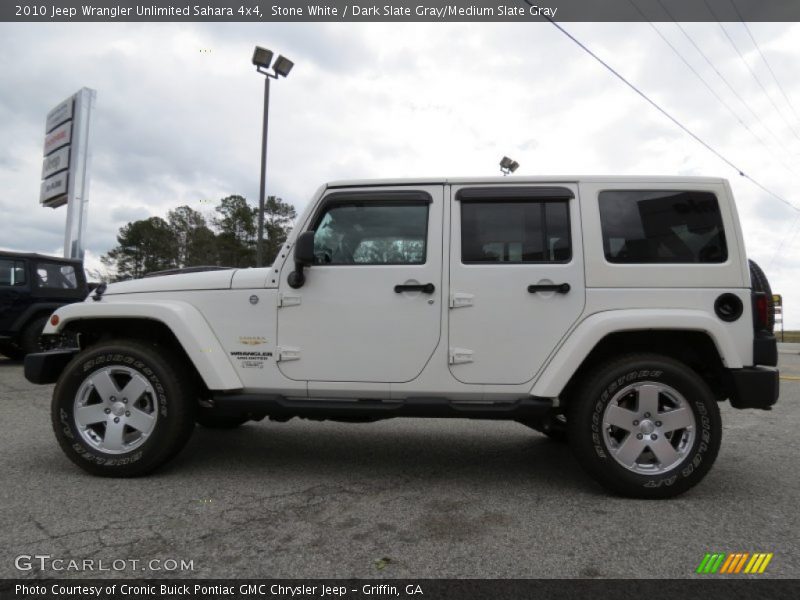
(34, 255)
(519, 180)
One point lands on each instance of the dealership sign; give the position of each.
(65, 177)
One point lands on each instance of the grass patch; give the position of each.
(789, 336)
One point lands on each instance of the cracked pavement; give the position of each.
(399, 498)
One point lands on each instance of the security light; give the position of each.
(262, 57)
(508, 166)
(282, 66)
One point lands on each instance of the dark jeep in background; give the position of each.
(32, 286)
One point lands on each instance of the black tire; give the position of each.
(209, 420)
(590, 440)
(172, 402)
(760, 283)
(30, 340)
(11, 351)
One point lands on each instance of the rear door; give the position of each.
(516, 278)
(369, 310)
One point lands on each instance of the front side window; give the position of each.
(12, 272)
(658, 226)
(55, 276)
(515, 231)
(366, 233)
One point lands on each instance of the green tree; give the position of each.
(279, 217)
(195, 242)
(144, 246)
(236, 237)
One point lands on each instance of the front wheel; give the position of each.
(645, 426)
(123, 409)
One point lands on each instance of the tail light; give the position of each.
(761, 310)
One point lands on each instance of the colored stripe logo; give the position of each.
(733, 563)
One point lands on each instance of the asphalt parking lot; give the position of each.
(400, 498)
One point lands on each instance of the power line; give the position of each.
(668, 115)
(766, 62)
(712, 90)
(744, 103)
(747, 66)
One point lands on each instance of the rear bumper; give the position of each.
(46, 367)
(753, 387)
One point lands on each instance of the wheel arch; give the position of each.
(176, 324)
(691, 337)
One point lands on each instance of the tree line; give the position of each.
(186, 238)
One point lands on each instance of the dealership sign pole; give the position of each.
(65, 171)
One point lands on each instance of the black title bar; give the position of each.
(41, 11)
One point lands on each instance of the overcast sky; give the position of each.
(176, 125)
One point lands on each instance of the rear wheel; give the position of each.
(645, 426)
(123, 409)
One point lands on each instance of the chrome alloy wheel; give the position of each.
(115, 409)
(648, 427)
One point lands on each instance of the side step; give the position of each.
(374, 409)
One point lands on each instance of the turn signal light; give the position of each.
(54, 320)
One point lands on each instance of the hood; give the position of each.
(205, 280)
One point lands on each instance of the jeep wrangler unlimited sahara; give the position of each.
(615, 312)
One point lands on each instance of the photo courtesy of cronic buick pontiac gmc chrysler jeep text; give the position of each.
(613, 312)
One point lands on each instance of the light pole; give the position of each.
(262, 59)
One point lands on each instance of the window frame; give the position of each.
(518, 195)
(375, 198)
(17, 263)
(609, 261)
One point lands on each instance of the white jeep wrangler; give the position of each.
(614, 312)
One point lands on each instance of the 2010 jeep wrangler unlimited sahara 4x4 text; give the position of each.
(615, 312)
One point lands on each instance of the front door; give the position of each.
(369, 310)
(517, 282)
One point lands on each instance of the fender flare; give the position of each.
(591, 330)
(185, 322)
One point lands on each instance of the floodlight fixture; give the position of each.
(508, 165)
(282, 66)
(262, 57)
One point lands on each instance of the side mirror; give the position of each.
(303, 257)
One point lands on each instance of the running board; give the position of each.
(369, 409)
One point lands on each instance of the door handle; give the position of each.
(558, 288)
(425, 288)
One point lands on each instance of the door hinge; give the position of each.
(460, 356)
(460, 300)
(286, 353)
(285, 300)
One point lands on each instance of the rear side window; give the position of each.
(515, 231)
(660, 226)
(55, 276)
(12, 272)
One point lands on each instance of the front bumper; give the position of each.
(753, 387)
(46, 367)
